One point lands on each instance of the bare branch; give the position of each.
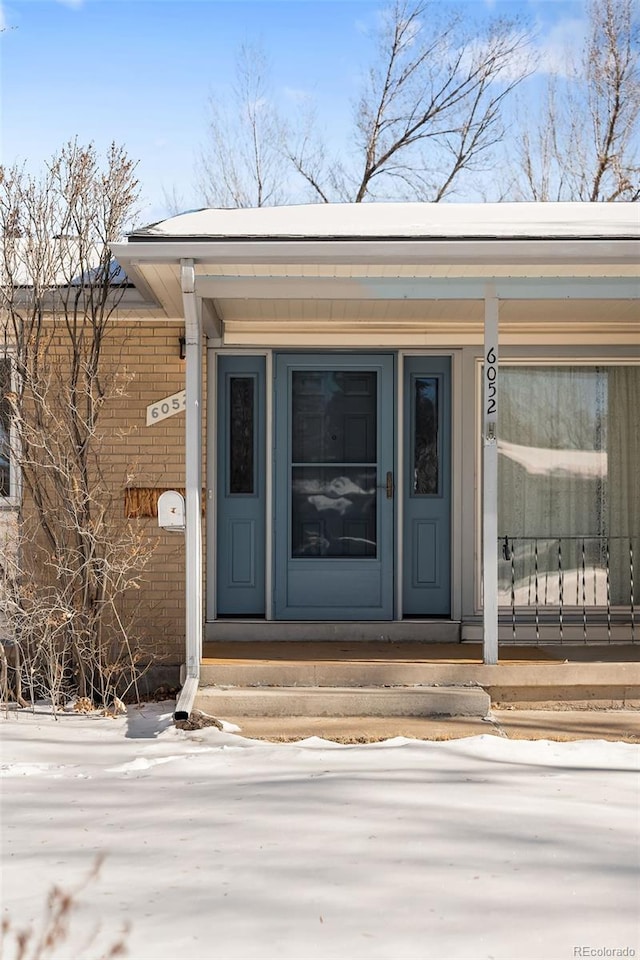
(243, 163)
(585, 143)
(430, 106)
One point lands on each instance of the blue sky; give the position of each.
(140, 72)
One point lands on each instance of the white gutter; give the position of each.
(389, 250)
(193, 484)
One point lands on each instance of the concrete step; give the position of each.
(597, 684)
(415, 701)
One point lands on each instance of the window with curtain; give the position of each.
(569, 482)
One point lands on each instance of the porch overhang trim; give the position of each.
(416, 288)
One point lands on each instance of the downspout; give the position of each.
(490, 479)
(193, 497)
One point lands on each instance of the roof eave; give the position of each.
(379, 250)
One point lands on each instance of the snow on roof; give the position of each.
(405, 220)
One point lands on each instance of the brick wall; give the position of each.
(144, 456)
(134, 455)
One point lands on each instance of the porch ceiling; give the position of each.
(263, 301)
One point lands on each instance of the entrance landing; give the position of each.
(303, 632)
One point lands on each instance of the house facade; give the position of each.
(399, 418)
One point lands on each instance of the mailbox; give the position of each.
(171, 511)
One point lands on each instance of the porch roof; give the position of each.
(393, 270)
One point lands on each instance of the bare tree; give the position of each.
(75, 560)
(429, 112)
(584, 145)
(243, 164)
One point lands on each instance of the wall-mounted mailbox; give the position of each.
(171, 511)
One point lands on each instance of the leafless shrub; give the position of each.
(76, 563)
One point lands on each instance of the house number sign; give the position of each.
(491, 374)
(167, 407)
(490, 392)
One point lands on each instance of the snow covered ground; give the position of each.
(221, 847)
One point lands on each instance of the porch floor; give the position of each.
(217, 652)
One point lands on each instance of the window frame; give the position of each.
(531, 360)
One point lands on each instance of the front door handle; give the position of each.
(389, 485)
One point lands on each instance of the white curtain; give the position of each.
(623, 482)
(569, 469)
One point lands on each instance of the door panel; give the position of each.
(425, 566)
(241, 498)
(242, 537)
(427, 487)
(334, 520)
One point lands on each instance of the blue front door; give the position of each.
(334, 455)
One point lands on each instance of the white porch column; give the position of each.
(193, 470)
(490, 478)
